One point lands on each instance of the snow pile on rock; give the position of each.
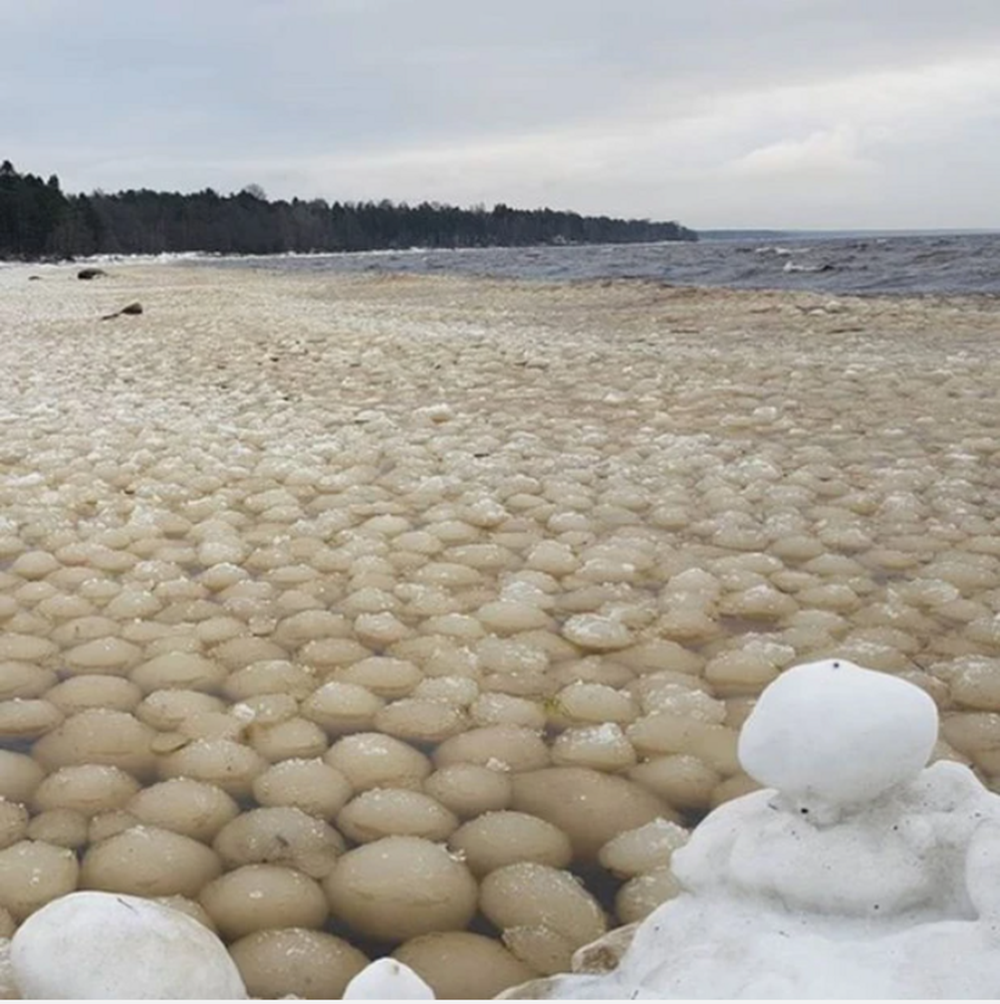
(860, 873)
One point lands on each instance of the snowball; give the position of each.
(281, 835)
(420, 720)
(192, 808)
(21, 679)
(258, 897)
(370, 760)
(93, 691)
(19, 776)
(388, 979)
(384, 812)
(497, 839)
(685, 782)
(32, 873)
(399, 887)
(63, 827)
(221, 762)
(588, 806)
(531, 894)
(293, 738)
(94, 945)
(514, 747)
(98, 736)
(87, 788)
(148, 861)
(834, 734)
(460, 965)
(641, 895)
(310, 785)
(602, 747)
(13, 823)
(342, 707)
(505, 709)
(26, 719)
(595, 703)
(641, 850)
(591, 631)
(294, 960)
(178, 670)
(470, 789)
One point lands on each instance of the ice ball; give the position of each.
(400, 887)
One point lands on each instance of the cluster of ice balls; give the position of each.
(213, 581)
(857, 871)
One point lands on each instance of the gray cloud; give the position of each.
(722, 112)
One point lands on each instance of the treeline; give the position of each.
(37, 220)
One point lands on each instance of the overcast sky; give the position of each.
(718, 113)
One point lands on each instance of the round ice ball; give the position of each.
(834, 734)
(384, 812)
(470, 789)
(528, 894)
(102, 946)
(400, 887)
(458, 964)
(192, 808)
(497, 839)
(258, 897)
(294, 960)
(32, 873)
(149, 861)
(281, 835)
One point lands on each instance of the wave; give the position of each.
(955, 264)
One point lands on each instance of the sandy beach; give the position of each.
(528, 527)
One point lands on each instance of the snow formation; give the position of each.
(860, 873)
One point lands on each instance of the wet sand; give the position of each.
(528, 526)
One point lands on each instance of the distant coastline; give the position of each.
(735, 234)
(39, 221)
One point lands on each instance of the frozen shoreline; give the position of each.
(503, 488)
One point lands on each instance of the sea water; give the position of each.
(943, 264)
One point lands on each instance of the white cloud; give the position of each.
(826, 155)
(835, 152)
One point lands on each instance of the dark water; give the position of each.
(935, 264)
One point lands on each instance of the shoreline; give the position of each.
(558, 526)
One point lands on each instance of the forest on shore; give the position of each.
(38, 221)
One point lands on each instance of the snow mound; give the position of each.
(860, 873)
